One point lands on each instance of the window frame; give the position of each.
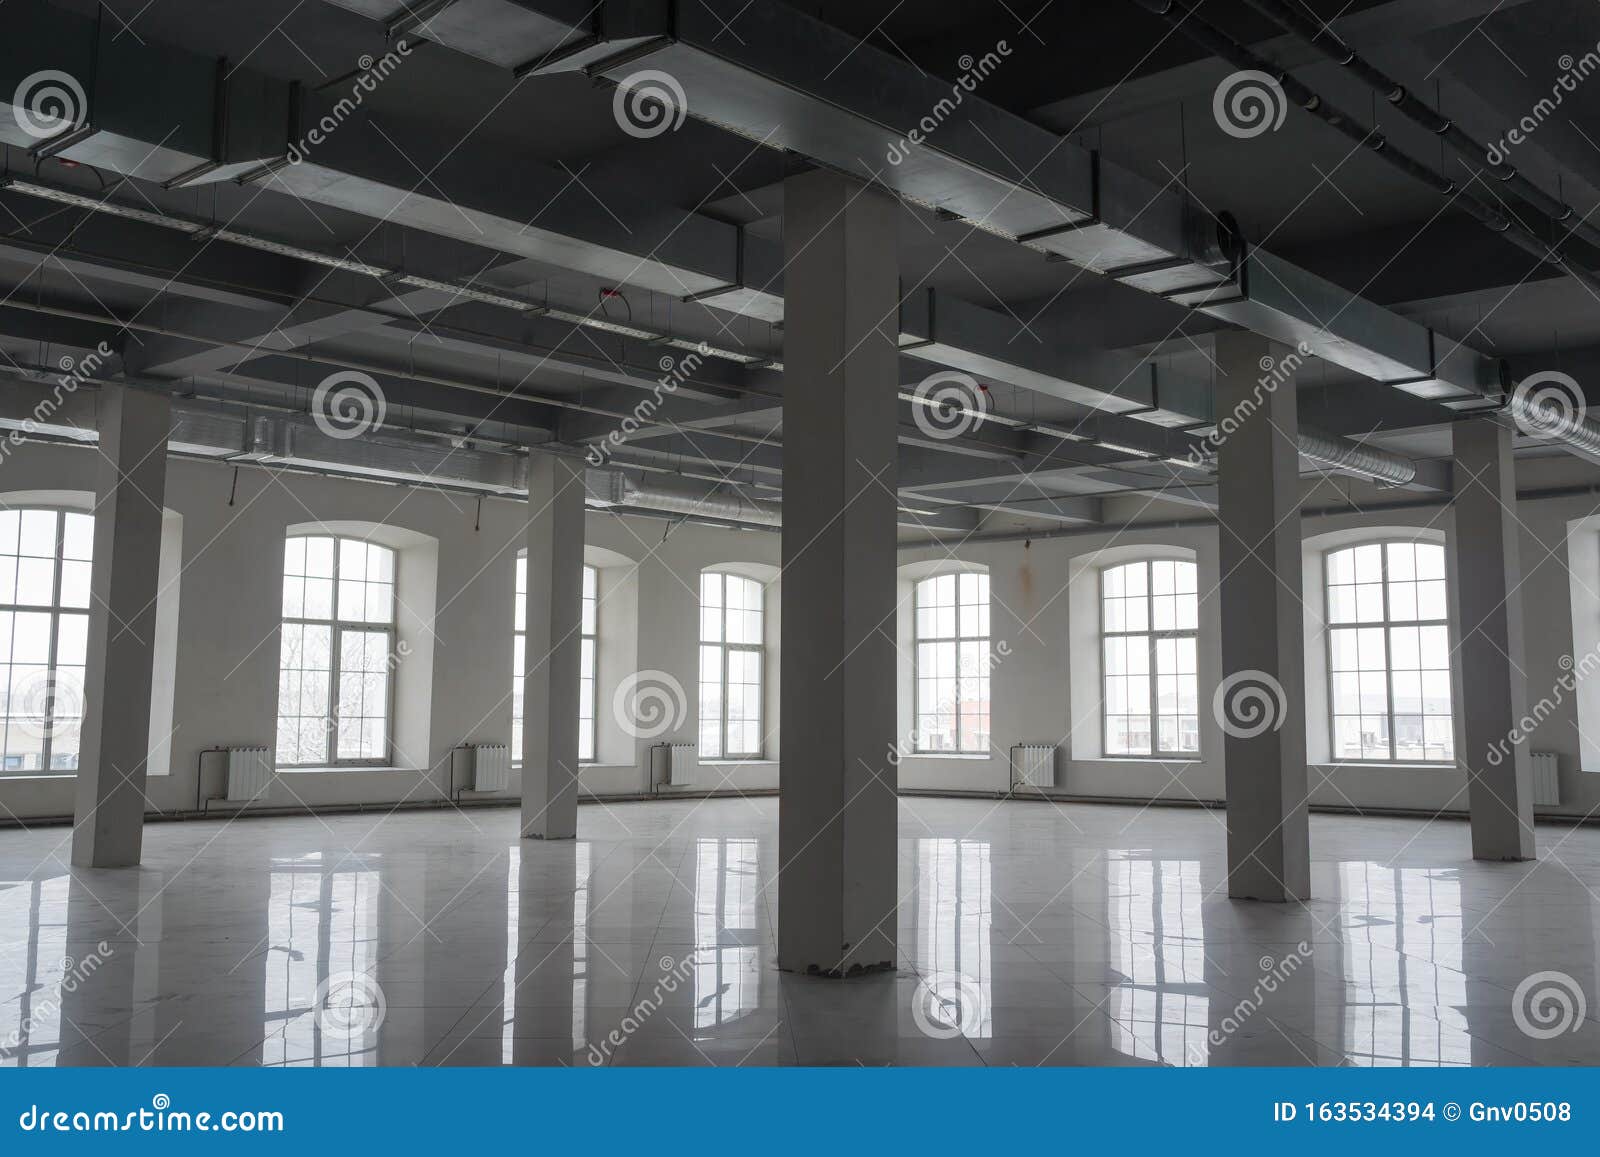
(337, 627)
(1153, 672)
(917, 639)
(759, 650)
(1387, 625)
(55, 610)
(519, 643)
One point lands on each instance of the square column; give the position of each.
(1261, 701)
(1494, 690)
(837, 811)
(130, 487)
(554, 640)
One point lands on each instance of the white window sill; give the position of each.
(1163, 760)
(973, 756)
(342, 768)
(1378, 765)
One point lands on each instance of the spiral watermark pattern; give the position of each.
(348, 1003)
(49, 103)
(347, 404)
(949, 404)
(649, 704)
(1547, 1004)
(946, 1005)
(1250, 703)
(45, 705)
(649, 103)
(1249, 103)
(1548, 404)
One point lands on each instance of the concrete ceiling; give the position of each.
(224, 321)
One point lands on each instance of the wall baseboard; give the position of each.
(1020, 796)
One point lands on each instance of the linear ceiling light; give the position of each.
(471, 293)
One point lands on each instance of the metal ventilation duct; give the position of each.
(1353, 457)
(764, 83)
(792, 82)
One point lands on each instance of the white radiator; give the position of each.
(1546, 781)
(1033, 765)
(249, 773)
(673, 764)
(483, 766)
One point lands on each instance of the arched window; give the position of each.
(952, 661)
(1389, 653)
(1148, 620)
(586, 670)
(732, 665)
(337, 653)
(45, 559)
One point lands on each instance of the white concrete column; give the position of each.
(1494, 691)
(1260, 703)
(129, 489)
(837, 811)
(553, 647)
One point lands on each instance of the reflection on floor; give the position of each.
(1029, 934)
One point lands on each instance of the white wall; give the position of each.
(458, 573)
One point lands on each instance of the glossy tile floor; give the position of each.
(1029, 934)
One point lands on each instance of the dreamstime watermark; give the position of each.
(1574, 671)
(649, 704)
(949, 404)
(1275, 372)
(1548, 404)
(1547, 1004)
(73, 974)
(49, 103)
(160, 1117)
(46, 704)
(349, 1004)
(1274, 973)
(1249, 103)
(74, 373)
(649, 103)
(677, 972)
(1250, 703)
(675, 371)
(348, 403)
(946, 1005)
(906, 745)
(1573, 73)
(373, 73)
(973, 73)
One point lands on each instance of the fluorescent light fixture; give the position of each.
(594, 321)
(1187, 463)
(1121, 449)
(331, 261)
(688, 343)
(470, 292)
(100, 205)
(1059, 432)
